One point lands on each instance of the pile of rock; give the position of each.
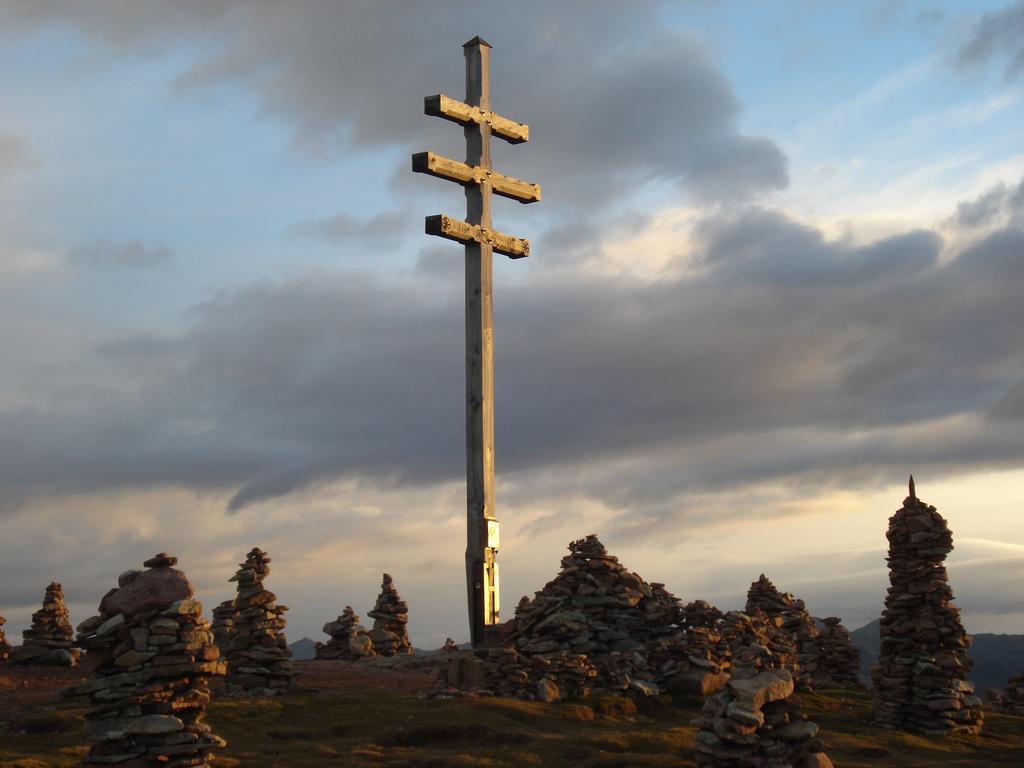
(259, 662)
(717, 645)
(349, 638)
(5, 647)
(223, 624)
(838, 657)
(507, 673)
(692, 661)
(151, 653)
(1012, 698)
(390, 617)
(450, 646)
(789, 614)
(921, 677)
(700, 613)
(50, 639)
(598, 608)
(758, 721)
(756, 642)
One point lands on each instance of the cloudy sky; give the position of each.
(777, 268)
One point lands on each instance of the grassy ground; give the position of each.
(388, 724)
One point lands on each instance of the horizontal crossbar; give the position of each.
(462, 232)
(453, 170)
(444, 107)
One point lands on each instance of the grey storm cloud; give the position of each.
(132, 254)
(990, 206)
(997, 36)
(389, 226)
(785, 354)
(611, 105)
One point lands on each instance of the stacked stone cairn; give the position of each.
(595, 606)
(151, 654)
(390, 617)
(758, 721)
(50, 639)
(733, 643)
(595, 627)
(349, 639)
(449, 646)
(5, 647)
(223, 624)
(259, 662)
(789, 614)
(838, 659)
(1012, 698)
(921, 676)
(756, 643)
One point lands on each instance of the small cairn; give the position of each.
(5, 647)
(151, 654)
(390, 616)
(921, 676)
(259, 662)
(790, 615)
(838, 657)
(49, 641)
(223, 624)
(450, 646)
(1011, 700)
(758, 721)
(349, 638)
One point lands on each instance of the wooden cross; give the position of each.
(477, 176)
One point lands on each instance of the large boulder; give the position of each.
(156, 589)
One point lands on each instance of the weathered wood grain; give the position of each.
(463, 173)
(447, 108)
(463, 232)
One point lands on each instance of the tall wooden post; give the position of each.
(481, 568)
(480, 240)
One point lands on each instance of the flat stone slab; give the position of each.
(153, 590)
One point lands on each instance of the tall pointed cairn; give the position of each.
(390, 617)
(921, 677)
(5, 647)
(259, 662)
(151, 653)
(50, 638)
(784, 612)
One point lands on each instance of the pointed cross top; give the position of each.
(913, 495)
(476, 41)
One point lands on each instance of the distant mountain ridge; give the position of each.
(303, 650)
(996, 657)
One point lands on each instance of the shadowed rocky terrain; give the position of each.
(372, 713)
